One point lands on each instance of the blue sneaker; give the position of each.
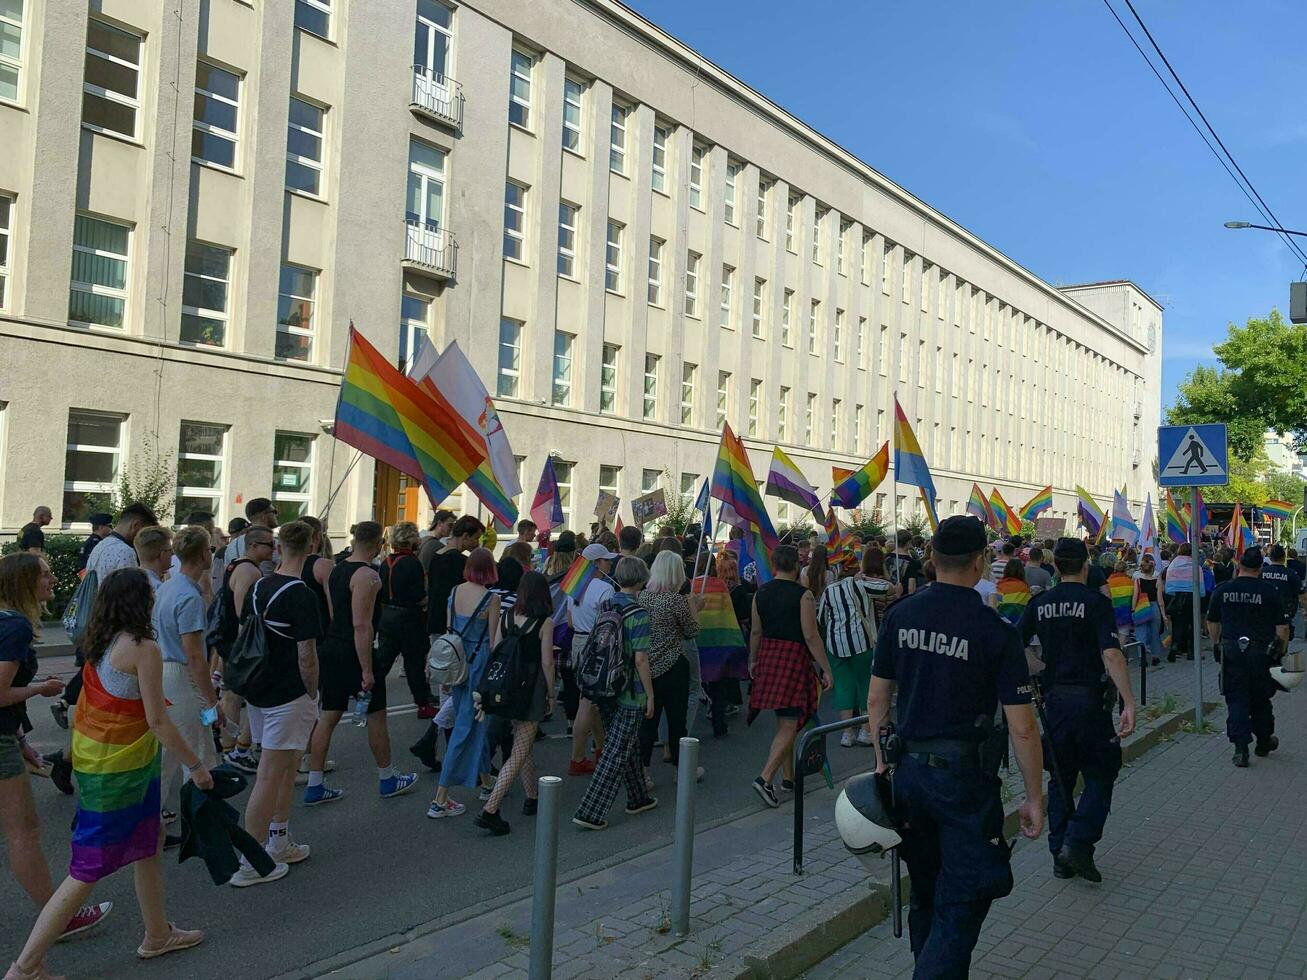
(313, 795)
(397, 784)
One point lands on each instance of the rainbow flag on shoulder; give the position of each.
(579, 575)
(1143, 610)
(722, 653)
(1121, 588)
(1013, 597)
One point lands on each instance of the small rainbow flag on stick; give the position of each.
(1176, 526)
(577, 577)
(857, 484)
(1037, 504)
(1278, 509)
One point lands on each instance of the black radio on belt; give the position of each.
(891, 745)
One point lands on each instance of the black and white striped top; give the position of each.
(847, 618)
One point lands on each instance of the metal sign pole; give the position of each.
(1195, 538)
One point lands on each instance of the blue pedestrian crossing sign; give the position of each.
(1192, 456)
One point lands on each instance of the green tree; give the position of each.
(1207, 395)
(149, 478)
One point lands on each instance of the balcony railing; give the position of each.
(432, 250)
(438, 97)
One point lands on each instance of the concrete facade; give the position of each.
(1007, 380)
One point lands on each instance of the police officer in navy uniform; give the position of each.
(954, 661)
(1246, 621)
(1077, 640)
(1290, 583)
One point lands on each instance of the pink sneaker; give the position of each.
(87, 918)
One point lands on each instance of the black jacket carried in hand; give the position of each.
(211, 828)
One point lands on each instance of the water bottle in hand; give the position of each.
(361, 702)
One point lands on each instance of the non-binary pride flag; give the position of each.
(547, 508)
(1278, 509)
(978, 507)
(1004, 520)
(1176, 528)
(909, 462)
(577, 577)
(389, 417)
(1037, 504)
(1090, 516)
(854, 488)
(734, 485)
(786, 480)
(1124, 527)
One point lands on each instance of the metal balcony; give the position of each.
(432, 251)
(438, 97)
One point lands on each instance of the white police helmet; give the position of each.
(1286, 680)
(864, 821)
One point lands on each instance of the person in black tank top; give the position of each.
(350, 664)
(403, 614)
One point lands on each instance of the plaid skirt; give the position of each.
(783, 677)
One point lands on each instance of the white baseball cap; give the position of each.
(594, 552)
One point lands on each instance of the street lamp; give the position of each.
(1283, 231)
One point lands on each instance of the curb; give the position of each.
(827, 927)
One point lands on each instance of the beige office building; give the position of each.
(196, 198)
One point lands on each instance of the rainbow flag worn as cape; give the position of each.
(1013, 597)
(1143, 610)
(388, 416)
(854, 487)
(578, 575)
(1121, 587)
(1176, 526)
(117, 760)
(722, 653)
(1278, 509)
(1037, 504)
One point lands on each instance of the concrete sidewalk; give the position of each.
(750, 915)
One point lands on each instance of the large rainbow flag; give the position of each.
(1279, 509)
(1004, 519)
(1013, 597)
(389, 417)
(978, 507)
(733, 484)
(855, 486)
(117, 760)
(909, 462)
(1037, 504)
(722, 653)
(1088, 511)
(1121, 587)
(1176, 527)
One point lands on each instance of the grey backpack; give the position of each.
(77, 614)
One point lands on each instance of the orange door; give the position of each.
(395, 497)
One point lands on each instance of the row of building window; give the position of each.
(94, 451)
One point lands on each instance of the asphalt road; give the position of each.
(378, 867)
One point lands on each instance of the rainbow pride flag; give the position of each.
(733, 484)
(1037, 504)
(578, 575)
(386, 415)
(722, 653)
(857, 484)
(1143, 610)
(1089, 513)
(909, 462)
(1013, 597)
(117, 760)
(978, 507)
(1279, 509)
(1004, 519)
(1176, 526)
(1121, 588)
(1202, 509)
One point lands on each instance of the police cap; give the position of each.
(1252, 558)
(961, 535)
(1070, 549)
(100, 520)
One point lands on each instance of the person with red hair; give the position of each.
(474, 615)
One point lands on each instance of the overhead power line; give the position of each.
(1223, 154)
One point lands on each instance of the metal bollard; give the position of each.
(545, 888)
(687, 767)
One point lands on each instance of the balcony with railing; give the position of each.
(437, 97)
(430, 250)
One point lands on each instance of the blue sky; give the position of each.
(1070, 157)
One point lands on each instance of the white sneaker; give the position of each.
(292, 853)
(846, 740)
(865, 738)
(246, 876)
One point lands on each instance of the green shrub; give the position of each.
(64, 552)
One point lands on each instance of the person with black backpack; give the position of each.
(519, 685)
(614, 674)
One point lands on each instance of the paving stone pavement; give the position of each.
(1205, 875)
